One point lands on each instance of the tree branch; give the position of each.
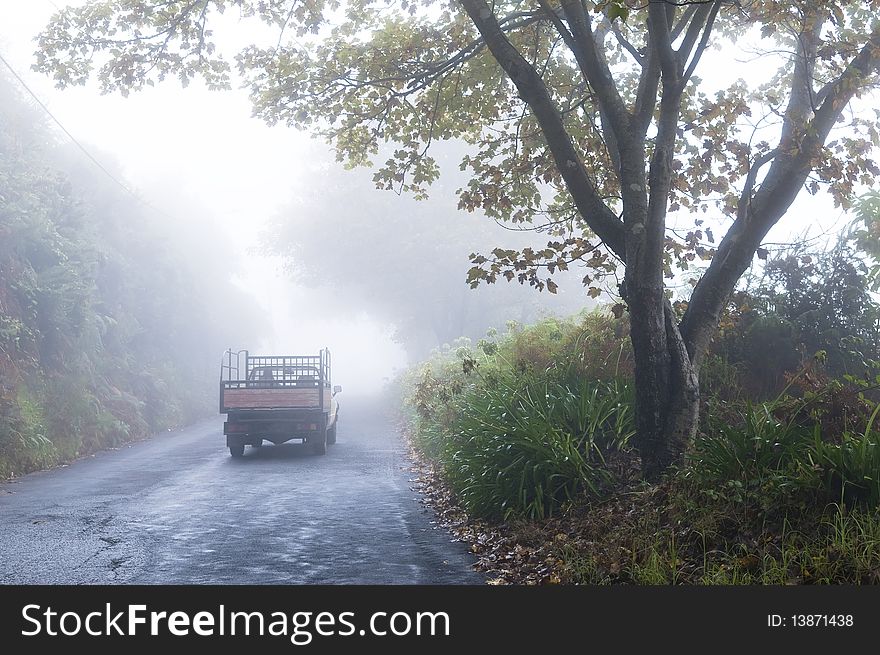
(847, 85)
(660, 168)
(745, 198)
(661, 41)
(596, 71)
(793, 160)
(610, 141)
(683, 22)
(704, 42)
(559, 25)
(693, 31)
(646, 96)
(533, 91)
(629, 47)
(800, 104)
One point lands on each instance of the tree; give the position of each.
(588, 115)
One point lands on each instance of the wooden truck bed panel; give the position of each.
(272, 398)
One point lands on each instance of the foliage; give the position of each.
(370, 72)
(530, 404)
(759, 458)
(790, 452)
(107, 330)
(669, 533)
(805, 306)
(868, 236)
(837, 546)
(783, 491)
(526, 448)
(519, 425)
(23, 433)
(851, 464)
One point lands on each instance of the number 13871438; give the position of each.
(810, 621)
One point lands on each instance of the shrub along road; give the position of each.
(178, 509)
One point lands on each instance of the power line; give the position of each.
(79, 145)
(64, 129)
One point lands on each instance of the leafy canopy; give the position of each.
(366, 73)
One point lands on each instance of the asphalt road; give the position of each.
(178, 509)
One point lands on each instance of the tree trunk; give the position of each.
(683, 411)
(667, 402)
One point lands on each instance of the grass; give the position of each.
(851, 465)
(830, 545)
(46, 423)
(525, 448)
(844, 549)
(24, 440)
(517, 426)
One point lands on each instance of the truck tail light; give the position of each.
(234, 427)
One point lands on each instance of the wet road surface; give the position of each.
(178, 509)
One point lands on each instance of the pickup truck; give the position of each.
(277, 398)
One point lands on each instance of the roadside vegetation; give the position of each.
(525, 437)
(109, 327)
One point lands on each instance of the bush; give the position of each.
(24, 441)
(804, 305)
(781, 451)
(522, 425)
(526, 448)
(758, 458)
(851, 467)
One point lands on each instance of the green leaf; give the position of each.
(617, 10)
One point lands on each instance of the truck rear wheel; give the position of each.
(237, 450)
(319, 445)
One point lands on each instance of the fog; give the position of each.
(202, 161)
(181, 148)
(192, 152)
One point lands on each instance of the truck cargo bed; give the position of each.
(282, 398)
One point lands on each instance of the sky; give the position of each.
(243, 172)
